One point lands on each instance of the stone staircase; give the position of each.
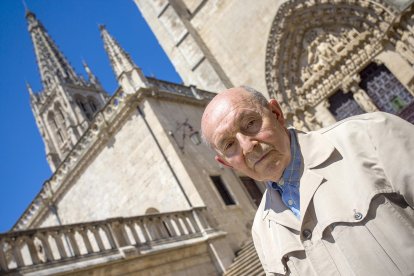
(246, 263)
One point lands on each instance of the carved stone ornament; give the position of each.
(314, 45)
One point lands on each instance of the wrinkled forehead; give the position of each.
(219, 112)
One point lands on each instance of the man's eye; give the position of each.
(250, 124)
(228, 145)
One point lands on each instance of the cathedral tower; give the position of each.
(67, 102)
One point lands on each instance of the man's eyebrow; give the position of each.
(223, 136)
(222, 141)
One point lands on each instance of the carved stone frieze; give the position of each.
(313, 46)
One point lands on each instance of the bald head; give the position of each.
(228, 100)
(247, 132)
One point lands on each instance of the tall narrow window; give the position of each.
(93, 106)
(222, 189)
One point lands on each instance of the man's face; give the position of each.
(248, 137)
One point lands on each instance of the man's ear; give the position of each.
(276, 110)
(222, 161)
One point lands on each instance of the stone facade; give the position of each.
(307, 54)
(135, 157)
(125, 167)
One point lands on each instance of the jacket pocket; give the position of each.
(393, 227)
(383, 242)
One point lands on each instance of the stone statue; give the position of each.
(364, 101)
(311, 121)
(320, 52)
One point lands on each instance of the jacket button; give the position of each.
(307, 234)
(357, 216)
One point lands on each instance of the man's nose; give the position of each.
(246, 143)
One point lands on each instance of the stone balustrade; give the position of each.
(62, 244)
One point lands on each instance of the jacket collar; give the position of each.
(315, 150)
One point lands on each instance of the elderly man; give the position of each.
(339, 201)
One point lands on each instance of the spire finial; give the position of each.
(26, 8)
(29, 88)
(84, 63)
(86, 66)
(91, 76)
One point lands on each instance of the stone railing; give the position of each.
(35, 249)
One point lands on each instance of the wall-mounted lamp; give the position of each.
(186, 130)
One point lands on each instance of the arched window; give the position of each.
(60, 136)
(60, 116)
(52, 121)
(82, 103)
(54, 126)
(93, 106)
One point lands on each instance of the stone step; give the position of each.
(246, 263)
(246, 268)
(244, 248)
(245, 255)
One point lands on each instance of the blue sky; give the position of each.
(73, 24)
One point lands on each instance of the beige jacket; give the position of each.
(356, 201)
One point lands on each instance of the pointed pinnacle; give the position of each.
(101, 26)
(26, 9)
(86, 67)
(29, 88)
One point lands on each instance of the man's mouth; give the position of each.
(261, 158)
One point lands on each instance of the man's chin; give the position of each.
(272, 172)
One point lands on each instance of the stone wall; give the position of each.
(196, 166)
(128, 176)
(229, 36)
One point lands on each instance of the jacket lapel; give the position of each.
(277, 211)
(315, 149)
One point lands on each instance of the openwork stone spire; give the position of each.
(129, 76)
(53, 66)
(120, 60)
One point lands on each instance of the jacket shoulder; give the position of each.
(373, 118)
